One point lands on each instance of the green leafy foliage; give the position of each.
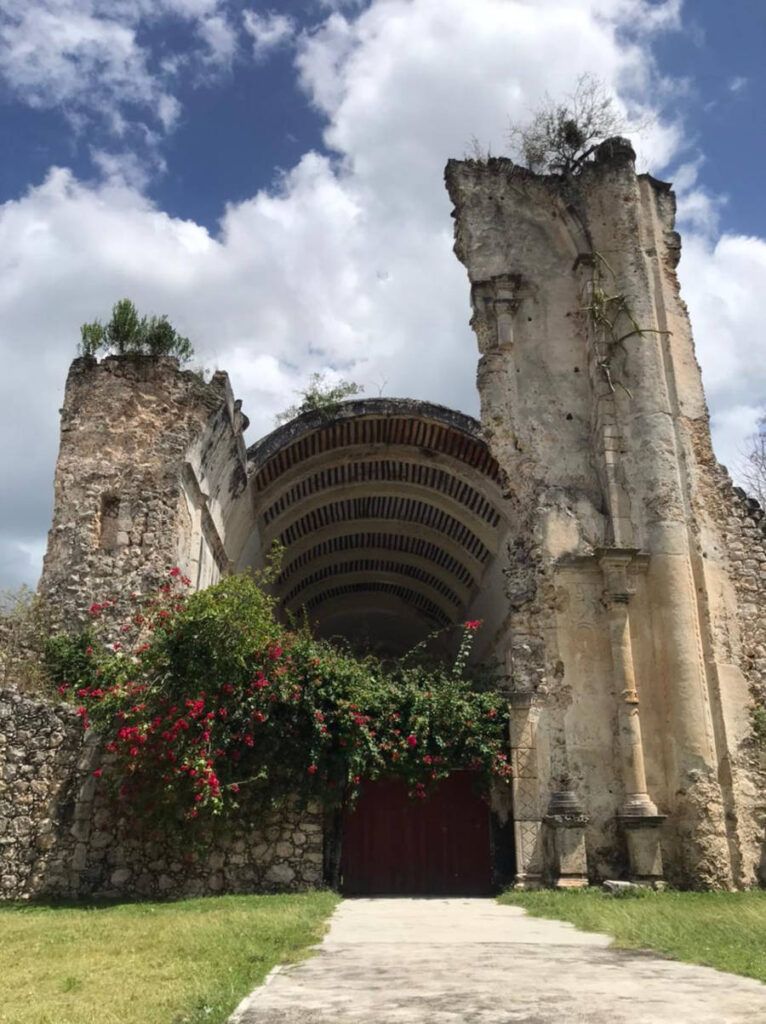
(207, 701)
(321, 397)
(127, 333)
(25, 626)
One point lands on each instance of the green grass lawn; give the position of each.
(148, 963)
(726, 930)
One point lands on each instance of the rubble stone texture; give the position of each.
(619, 575)
(60, 836)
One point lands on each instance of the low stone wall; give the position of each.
(59, 836)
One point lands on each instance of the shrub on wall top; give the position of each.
(127, 333)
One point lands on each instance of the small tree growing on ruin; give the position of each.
(322, 397)
(563, 135)
(127, 333)
(754, 469)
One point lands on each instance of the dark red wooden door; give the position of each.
(394, 844)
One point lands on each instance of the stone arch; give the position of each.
(391, 513)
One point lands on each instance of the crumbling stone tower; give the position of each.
(635, 627)
(151, 459)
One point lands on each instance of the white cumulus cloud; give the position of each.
(346, 266)
(268, 31)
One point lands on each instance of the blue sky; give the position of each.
(269, 175)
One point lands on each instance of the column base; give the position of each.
(566, 861)
(644, 848)
(527, 883)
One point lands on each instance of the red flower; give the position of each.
(98, 773)
(175, 571)
(312, 769)
(275, 652)
(412, 740)
(234, 787)
(472, 624)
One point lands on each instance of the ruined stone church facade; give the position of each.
(619, 575)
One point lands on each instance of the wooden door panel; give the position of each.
(394, 844)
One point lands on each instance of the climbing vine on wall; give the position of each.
(612, 319)
(206, 699)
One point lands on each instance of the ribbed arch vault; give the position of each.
(390, 513)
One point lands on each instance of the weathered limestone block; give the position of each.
(566, 865)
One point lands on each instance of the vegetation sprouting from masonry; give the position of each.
(563, 135)
(206, 700)
(321, 397)
(127, 333)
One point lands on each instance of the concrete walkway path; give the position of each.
(472, 961)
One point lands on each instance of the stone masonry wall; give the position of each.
(60, 838)
(136, 436)
(740, 522)
(605, 428)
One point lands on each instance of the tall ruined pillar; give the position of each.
(592, 401)
(150, 462)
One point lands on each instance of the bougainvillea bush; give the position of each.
(207, 698)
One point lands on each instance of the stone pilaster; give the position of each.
(527, 813)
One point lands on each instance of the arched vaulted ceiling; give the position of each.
(390, 512)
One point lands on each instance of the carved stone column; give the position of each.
(527, 814)
(638, 812)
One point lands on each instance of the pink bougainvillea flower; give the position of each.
(472, 624)
(175, 571)
(412, 740)
(98, 773)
